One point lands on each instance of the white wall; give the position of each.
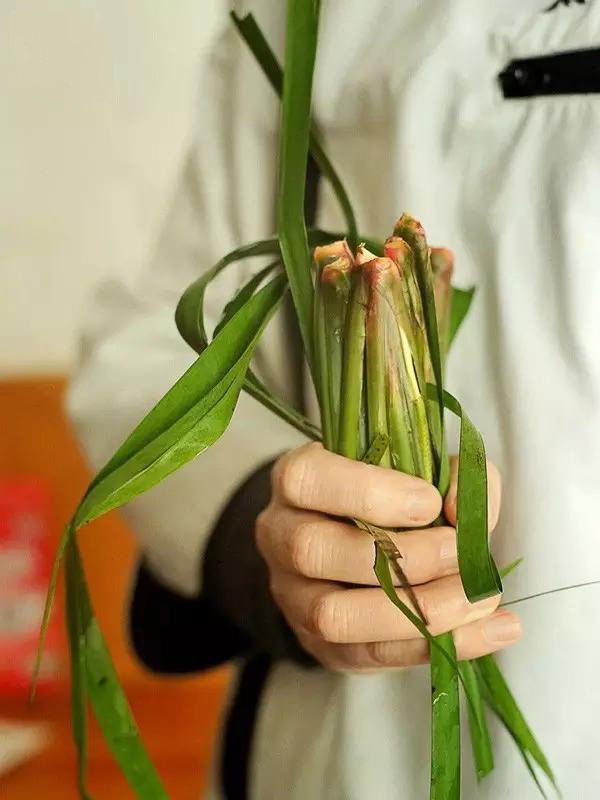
(96, 105)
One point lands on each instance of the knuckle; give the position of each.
(370, 496)
(378, 653)
(290, 478)
(355, 657)
(261, 531)
(304, 550)
(327, 619)
(275, 590)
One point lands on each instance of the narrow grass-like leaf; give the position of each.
(300, 51)
(189, 315)
(459, 308)
(510, 567)
(445, 723)
(255, 388)
(383, 575)
(258, 45)
(252, 384)
(501, 701)
(106, 695)
(190, 417)
(243, 295)
(75, 631)
(48, 605)
(478, 571)
(376, 449)
(481, 742)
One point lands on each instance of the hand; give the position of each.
(321, 569)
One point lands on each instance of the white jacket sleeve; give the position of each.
(131, 351)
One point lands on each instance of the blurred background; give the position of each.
(97, 104)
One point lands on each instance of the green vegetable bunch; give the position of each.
(376, 321)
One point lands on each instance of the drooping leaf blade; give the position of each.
(252, 384)
(243, 295)
(478, 571)
(190, 417)
(106, 695)
(500, 699)
(189, 315)
(505, 571)
(459, 308)
(76, 634)
(264, 55)
(48, 605)
(481, 742)
(445, 723)
(300, 51)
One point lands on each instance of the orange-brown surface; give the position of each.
(177, 718)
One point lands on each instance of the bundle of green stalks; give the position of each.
(372, 364)
(376, 321)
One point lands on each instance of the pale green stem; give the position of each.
(351, 407)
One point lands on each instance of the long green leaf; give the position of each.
(500, 699)
(76, 634)
(191, 323)
(190, 417)
(189, 315)
(243, 295)
(481, 742)
(106, 695)
(459, 308)
(252, 384)
(254, 38)
(300, 51)
(445, 723)
(478, 571)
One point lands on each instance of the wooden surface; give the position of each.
(177, 718)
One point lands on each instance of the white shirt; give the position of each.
(407, 98)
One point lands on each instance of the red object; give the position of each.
(26, 555)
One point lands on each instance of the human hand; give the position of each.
(321, 568)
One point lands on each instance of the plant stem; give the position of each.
(352, 397)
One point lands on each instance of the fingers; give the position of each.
(352, 616)
(473, 640)
(494, 493)
(316, 546)
(313, 478)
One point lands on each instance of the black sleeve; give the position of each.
(234, 615)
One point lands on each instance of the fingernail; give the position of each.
(502, 628)
(419, 505)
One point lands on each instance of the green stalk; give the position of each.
(261, 50)
(379, 274)
(333, 265)
(399, 423)
(300, 51)
(409, 304)
(350, 440)
(409, 355)
(442, 265)
(413, 234)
